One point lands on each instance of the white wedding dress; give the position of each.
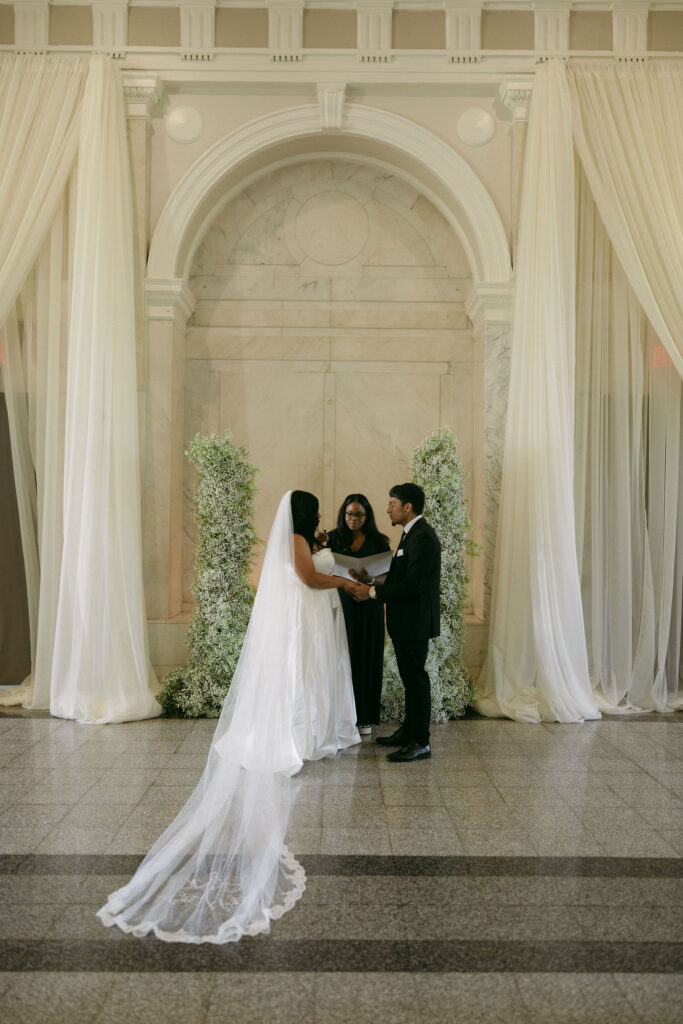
(221, 869)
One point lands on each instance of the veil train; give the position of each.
(221, 869)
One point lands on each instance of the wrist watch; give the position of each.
(372, 592)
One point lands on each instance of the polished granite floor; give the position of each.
(524, 874)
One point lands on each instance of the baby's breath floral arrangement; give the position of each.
(437, 468)
(224, 508)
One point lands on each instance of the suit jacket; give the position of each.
(411, 591)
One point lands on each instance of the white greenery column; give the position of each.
(437, 468)
(224, 507)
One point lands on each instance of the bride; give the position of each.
(221, 869)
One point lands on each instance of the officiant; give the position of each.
(356, 535)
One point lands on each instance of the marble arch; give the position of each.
(406, 147)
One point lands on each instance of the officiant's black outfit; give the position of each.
(364, 631)
(411, 594)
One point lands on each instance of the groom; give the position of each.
(411, 594)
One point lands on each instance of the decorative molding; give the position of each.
(169, 299)
(197, 29)
(515, 92)
(463, 25)
(285, 29)
(31, 24)
(490, 302)
(629, 29)
(110, 26)
(477, 221)
(373, 38)
(331, 97)
(141, 92)
(551, 27)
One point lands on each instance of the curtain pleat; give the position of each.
(69, 371)
(101, 670)
(537, 665)
(628, 128)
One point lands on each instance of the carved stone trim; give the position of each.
(286, 27)
(478, 222)
(142, 93)
(490, 303)
(373, 19)
(551, 27)
(515, 92)
(463, 25)
(169, 299)
(31, 25)
(331, 101)
(629, 30)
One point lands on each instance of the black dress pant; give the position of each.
(411, 656)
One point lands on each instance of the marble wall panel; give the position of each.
(280, 416)
(330, 335)
(379, 418)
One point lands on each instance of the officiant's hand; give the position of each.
(361, 575)
(321, 538)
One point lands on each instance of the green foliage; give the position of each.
(437, 468)
(224, 509)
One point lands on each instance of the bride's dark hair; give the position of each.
(305, 515)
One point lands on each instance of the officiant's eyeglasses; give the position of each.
(356, 515)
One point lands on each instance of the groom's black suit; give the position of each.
(411, 594)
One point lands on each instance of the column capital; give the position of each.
(141, 92)
(490, 303)
(169, 299)
(515, 92)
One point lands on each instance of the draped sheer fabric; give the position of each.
(611, 451)
(68, 372)
(628, 480)
(101, 670)
(221, 870)
(40, 108)
(537, 667)
(628, 129)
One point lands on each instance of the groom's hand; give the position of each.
(359, 591)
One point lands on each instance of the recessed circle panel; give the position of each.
(476, 127)
(332, 227)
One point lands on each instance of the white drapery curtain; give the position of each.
(628, 484)
(74, 443)
(539, 655)
(627, 121)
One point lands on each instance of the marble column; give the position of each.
(489, 307)
(170, 304)
(142, 92)
(515, 92)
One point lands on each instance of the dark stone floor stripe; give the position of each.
(361, 864)
(311, 955)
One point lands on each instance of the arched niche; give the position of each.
(403, 146)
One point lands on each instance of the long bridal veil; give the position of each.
(221, 869)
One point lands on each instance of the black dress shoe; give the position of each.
(411, 752)
(397, 739)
